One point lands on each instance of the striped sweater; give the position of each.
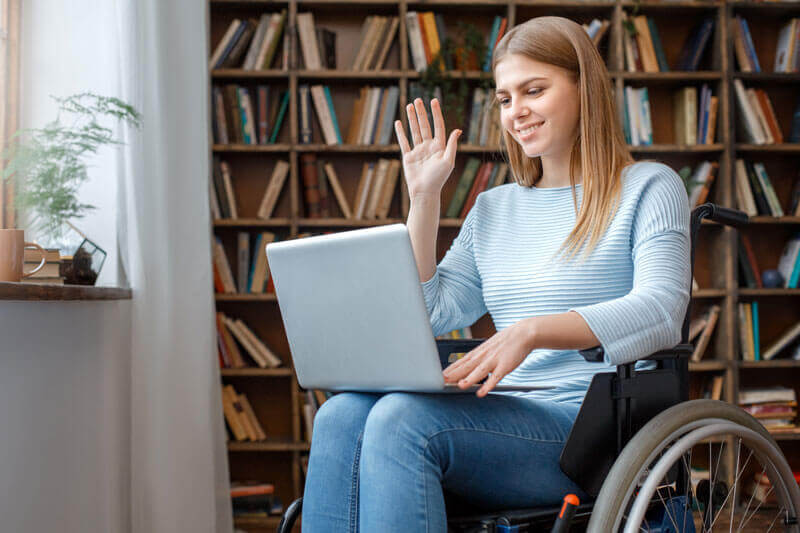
(632, 290)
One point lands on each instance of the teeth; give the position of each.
(529, 130)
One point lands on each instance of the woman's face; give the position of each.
(538, 95)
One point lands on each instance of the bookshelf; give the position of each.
(275, 394)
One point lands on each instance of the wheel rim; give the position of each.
(680, 445)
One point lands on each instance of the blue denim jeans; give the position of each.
(380, 462)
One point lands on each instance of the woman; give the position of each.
(585, 248)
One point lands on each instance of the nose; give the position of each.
(518, 110)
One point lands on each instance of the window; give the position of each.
(9, 94)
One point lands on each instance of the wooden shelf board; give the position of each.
(773, 363)
(774, 220)
(252, 222)
(267, 148)
(677, 148)
(707, 366)
(255, 372)
(769, 292)
(10, 290)
(238, 73)
(789, 148)
(271, 522)
(672, 76)
(349, 75)
(267, 297)
(709, 293)
(650, 4)
(274, 446)
(768, 77)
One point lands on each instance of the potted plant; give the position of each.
(47, 166)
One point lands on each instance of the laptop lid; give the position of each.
(353, 311)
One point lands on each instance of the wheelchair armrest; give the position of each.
(448, 346)
(596, 354)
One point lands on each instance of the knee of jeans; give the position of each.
(344, 412)
(396, 414)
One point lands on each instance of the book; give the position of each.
(273, 190)
(705, 336)
(766, 394)
(786, 338)
(338, 192)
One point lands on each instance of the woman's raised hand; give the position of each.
(428, 165)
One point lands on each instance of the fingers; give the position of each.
(480, 372)
(461, 367)
(413, 124)
(422, 117)
(438, 121)
(489, 384)
(452, 145)
(401, 137)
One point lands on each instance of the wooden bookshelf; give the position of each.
(275, 394)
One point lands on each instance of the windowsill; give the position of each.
(10, 290)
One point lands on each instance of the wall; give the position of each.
(65, 416)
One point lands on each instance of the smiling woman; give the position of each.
(381, 462)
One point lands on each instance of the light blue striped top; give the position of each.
(632, 290)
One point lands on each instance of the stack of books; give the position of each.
(253, 275)
(475, 178)
(255, 500)
(643, 50)
(252, 44)
(695, 120)
(231, 353)
(427, 36)
(774, 407)
(318, 45)
(698, 182)
(238, 118)
(374, 193)
(758, 123)
(755, 194)
(242, 421)
(49, 274)
(702, 327)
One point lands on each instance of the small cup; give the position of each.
(12, 253)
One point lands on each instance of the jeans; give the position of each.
(380, 462)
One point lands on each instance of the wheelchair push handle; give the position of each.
(722, 215)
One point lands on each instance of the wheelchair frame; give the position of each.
(616, 406)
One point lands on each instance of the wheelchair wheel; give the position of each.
(649, 487)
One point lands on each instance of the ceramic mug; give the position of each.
(12, 246)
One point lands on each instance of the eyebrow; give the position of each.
(499, 91)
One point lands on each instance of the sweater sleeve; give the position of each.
(649, 318)
(454, 295)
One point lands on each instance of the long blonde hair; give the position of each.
(600, 142)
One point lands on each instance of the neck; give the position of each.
(555, 171)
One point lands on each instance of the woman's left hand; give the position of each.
(498, 355)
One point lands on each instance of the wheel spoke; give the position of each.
(748, 503)
(736, 480)
(759, 505)
(733, 503)
(773, 520)
(666, 508)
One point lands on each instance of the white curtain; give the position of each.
(179, 474)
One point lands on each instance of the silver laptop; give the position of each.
(354, 313)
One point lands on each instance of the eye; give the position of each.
(502, 101)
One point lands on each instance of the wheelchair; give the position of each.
(632, 447)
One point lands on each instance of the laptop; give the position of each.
(354, 314)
